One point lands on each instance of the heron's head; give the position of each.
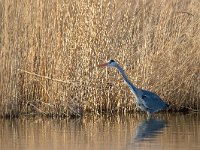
(110, 63)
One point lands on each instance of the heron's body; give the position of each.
(147, 101)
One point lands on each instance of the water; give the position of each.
(165, 131)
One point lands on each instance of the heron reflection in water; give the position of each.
(148, 129)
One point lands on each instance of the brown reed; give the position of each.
(50, 49)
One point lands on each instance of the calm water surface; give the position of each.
(165, 131)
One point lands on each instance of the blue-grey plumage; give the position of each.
(153, 102)
(147, 101)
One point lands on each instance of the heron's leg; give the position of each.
(150, 115)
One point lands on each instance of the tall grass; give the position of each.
(49, 51)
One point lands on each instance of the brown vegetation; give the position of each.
(49, 51)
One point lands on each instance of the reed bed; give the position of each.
(49, 51)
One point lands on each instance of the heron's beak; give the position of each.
(103, 65)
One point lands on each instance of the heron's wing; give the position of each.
(153, 101)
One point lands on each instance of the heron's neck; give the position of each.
(128, 82)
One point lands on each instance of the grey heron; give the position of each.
(147, 101)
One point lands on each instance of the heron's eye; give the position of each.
(111, 61)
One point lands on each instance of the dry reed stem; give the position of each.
(49, 51)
